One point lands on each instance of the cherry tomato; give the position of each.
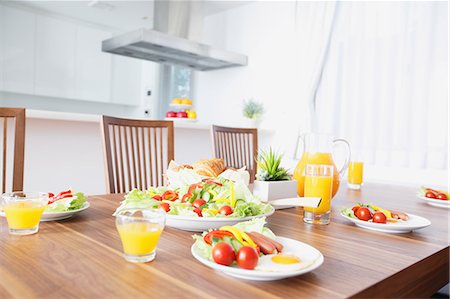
(363, 214)
(226, 210)
(198, 203)
(198, 211)
(430, 194)
(247, 257)
(379, 217)
(223, 254)
(157, 197)
(165, 206)
(354, 209)
(441, 196)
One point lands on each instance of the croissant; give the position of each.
(209, 168)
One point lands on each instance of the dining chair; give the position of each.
(137, 152)
(237, 146)
(13, 143)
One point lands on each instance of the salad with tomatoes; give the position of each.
(433, 193)
(64, 201)
(373, 213)
(242, 245)
(218, 197)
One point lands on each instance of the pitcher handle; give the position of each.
(347, 160)
(299, 138)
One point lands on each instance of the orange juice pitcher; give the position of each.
(317, 149)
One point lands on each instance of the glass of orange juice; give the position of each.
(318, 183)
(139, 230)
(355, 175)
(23, 211)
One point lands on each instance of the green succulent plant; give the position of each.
(253, 109)
(269, 168)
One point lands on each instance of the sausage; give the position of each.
(399, 215)
(277, 245)
(266, 246)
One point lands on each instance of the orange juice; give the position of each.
(139, 238)
(314, 158)
(23, 215)
(355, 173)
(319, 186)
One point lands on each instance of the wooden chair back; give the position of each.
(137, 152)
(12, 129)
(237, 146)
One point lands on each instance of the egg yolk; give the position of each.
(285, 259)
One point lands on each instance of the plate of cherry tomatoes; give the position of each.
(434, 197)
(372, 217)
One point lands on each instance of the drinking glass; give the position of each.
(23, 211)
(355, 175)
(139, 230)
(318, 183)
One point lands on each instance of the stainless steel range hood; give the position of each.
(163, 48)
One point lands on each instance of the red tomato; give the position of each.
(165, 206)
(226, 210)
(379, 217)
(170, 195)
(363, 214)
(157, 197)
(198, 211)
(354, 209)
(247, 257)
(430, 194)
(198, 203)
(223, 254)
(441, 196)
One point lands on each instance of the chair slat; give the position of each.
(237, 146)
(5, 147)
(136, 157)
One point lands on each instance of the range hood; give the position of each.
(163, 48)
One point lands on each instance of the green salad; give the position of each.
(65, 201)
(219, 197)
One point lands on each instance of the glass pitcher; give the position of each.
(317, 149)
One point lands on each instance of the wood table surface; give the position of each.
(82, 257)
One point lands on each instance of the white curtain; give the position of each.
(385, 82)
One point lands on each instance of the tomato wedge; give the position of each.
(216, 234)
(169, 195)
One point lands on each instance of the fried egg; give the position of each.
(282, 262)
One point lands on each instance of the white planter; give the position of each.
(252, 123)
(267, 191)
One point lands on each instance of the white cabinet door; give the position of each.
(126, 81)
(17, 33)
(93, 67)
(55, 57)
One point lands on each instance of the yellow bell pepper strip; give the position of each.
(239, 235)
(233, 198)
(385, 212)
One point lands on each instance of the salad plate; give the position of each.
(414, 222)
(52, 216)
(197, 224)
(436, 202)
(278, 257)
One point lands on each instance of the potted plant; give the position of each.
(253, 111)
(273, 181)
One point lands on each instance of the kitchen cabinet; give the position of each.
(17, 47)
(126, 80)
(55, 57)
(93, 67)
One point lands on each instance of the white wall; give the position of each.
(263, 31)
(63, 154)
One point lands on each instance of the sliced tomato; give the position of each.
(216, 234)
(170, 195)
(165, 206)
(157, 197)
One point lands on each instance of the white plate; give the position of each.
(436, 202)
(52, 216)
(414, 222)
(200, 224)
(305, 252)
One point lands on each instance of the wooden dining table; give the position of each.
(81, 257)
